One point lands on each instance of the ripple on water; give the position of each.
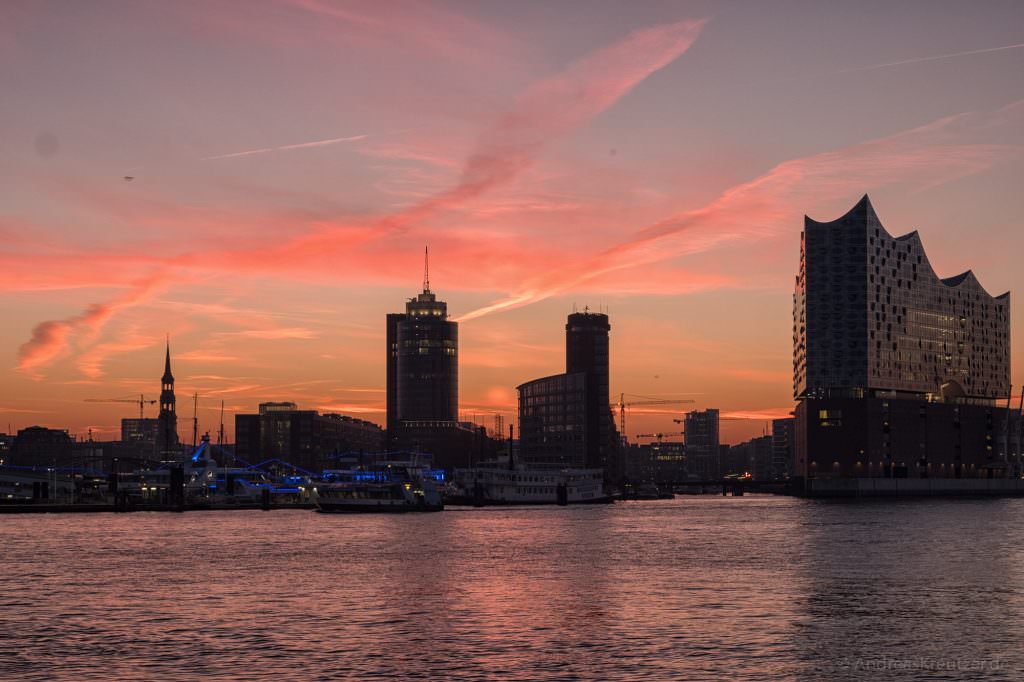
(752, 588)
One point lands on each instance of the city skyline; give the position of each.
(582, 174)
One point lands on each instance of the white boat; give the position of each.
(481, 486)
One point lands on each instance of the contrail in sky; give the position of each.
(287, 147)
(931, 59)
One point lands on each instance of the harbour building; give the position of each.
(565, 420)
(896, 371)
(303, 438)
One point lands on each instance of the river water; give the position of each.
(748, 588)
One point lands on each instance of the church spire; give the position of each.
(167, 436)
(168, 377)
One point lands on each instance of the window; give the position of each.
(830, 418)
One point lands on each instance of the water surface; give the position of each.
(750, 588)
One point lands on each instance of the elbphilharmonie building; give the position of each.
(897, 372)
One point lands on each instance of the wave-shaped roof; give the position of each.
(863, 211)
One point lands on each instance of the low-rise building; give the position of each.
(304, 438)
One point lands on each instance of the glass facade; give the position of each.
(870, 315)
(423, 366)
(553, 421)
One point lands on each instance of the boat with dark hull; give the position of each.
(487, 486)
(389, 489)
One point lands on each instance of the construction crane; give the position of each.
(637, 403)
(141, 402)
(767, 422)
(659, 436)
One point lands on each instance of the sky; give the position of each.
(257, 180)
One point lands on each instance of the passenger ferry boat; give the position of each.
(389, 488)
(482, 486)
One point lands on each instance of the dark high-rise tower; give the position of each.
(167, 437)
(423, 364)
(586, 352)
(565, 420)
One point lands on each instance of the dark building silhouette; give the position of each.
(752, 457)
(898, 372)
(702, 444)
(6, 443)
(38, 446)
(782, 448)
(167, 443)
(586, 352)
(565, 420)
(423, 385)
(553, 421)
(423, 364)
(663, 463)
(304, 438)
(140, 436)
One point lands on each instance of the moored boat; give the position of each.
(389, 489)
(483, 486)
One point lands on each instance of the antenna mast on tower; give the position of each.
(426, 269)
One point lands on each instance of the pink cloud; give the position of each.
(425, 26)
(51, 339)
(766, 206)
(550, 109)
(274, 334)
(91, 362)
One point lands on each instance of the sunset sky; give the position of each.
(290, 159)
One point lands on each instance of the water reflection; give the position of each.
(917, 588)
(695, 588)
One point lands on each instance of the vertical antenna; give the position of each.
(426, 269)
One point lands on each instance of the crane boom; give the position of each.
(141, 402)
(648, 402)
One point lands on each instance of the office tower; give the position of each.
(423, 385)
(702, 446)
(586, 352)
(422, 364)
(565, 419)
